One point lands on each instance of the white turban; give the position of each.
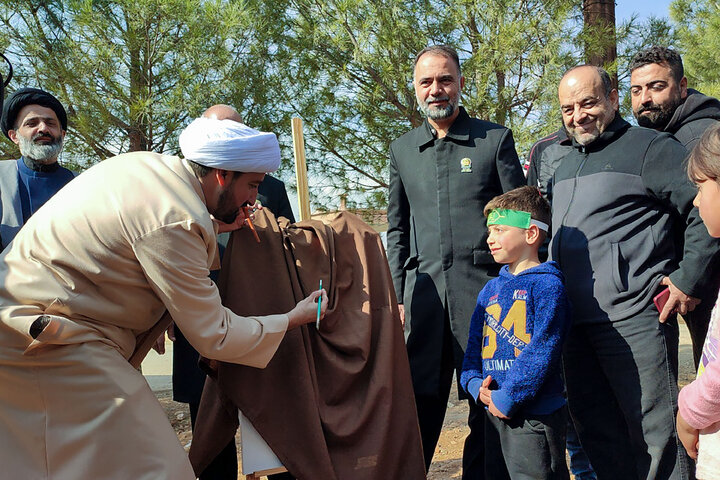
(230, 145)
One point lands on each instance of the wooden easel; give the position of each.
(265, 473)
(304, 204)
(258, 459)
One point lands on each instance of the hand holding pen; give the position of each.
(306, 311)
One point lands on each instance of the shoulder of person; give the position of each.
(635, 132)
(478, 125)
(273, 180)
(539, 147)
(410, 138)
(694, 129)
(548, 276)
(642, 138)
(8, 171)
(548, 140)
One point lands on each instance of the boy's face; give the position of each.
(508, 244)
(707, 200)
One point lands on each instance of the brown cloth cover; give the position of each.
(334, 404)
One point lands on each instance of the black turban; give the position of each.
(29, 96)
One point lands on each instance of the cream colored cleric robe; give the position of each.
(102, 260)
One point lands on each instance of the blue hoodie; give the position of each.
(516, 336)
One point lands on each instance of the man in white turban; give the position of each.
(96, 268)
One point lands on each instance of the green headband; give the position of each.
(513, 218)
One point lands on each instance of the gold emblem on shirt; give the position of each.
(465, 165)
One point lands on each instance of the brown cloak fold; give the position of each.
(334, 404)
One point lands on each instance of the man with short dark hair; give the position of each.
(442, 174)
(661, 100)
(624, 227)
(36, 122)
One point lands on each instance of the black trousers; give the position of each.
(431, 415)
(527, 447)
(225, 465)
(621, 380)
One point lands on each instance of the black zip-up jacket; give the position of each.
(545, 156)
(622, 219)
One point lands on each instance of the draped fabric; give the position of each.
(333, 403)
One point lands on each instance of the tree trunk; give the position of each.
(599, 16)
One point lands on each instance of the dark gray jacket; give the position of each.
(693, 117)
(437, 238)
(622, 219)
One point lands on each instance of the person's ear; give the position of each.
(221, 176)
(615, 99)
(13, 136)
(532, 234)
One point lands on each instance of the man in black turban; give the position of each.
(35, 121)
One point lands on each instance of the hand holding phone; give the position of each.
(661, 299)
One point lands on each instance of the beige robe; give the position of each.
(104, 258)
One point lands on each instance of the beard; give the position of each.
(42, 153)
(601, 123)
(658, 115)
(226, 210)
(438, 113)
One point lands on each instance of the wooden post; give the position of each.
(300, 169)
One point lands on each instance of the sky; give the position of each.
(644, 8)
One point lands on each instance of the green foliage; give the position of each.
(129, 72)
(133, 72)
(516, 53)
(698, 28)
(636, 36)
(346, 67)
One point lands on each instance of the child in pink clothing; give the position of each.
(698, 419)
(699, 412)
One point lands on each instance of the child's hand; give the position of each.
(493, 409)
(688, 436)
(484, 395)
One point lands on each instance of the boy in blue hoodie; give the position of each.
(512, 361)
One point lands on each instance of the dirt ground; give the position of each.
(448, 454)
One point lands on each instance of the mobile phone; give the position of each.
(661, 299)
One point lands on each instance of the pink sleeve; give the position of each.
(699, 402)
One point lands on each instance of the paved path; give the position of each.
(158, 369)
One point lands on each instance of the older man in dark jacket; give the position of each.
(623, 227)
(442, 174)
